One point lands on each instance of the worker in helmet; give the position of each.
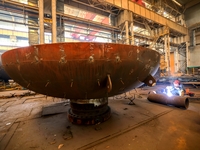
(177, 88)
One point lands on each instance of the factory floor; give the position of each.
(36, 122)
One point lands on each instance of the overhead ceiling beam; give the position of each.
(191, 3)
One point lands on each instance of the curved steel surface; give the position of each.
(3, 75)
(178, 101)
(81, 70)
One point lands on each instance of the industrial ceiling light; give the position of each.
(177, 3)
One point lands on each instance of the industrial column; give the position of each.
(114, 35)
(176, 60)
(41, 20)
(60, 21)
(60, 30)
(127, 32)
(167, 53)
(33, 35)
(187, 57)
(54, 29)
(132, 34)
(125, 22)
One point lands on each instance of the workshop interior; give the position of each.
(99, 74)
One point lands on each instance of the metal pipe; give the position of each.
(178, 101)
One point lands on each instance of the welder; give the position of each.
(177, 88)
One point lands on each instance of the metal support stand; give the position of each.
(89, 112)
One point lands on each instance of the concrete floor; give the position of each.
(143, 126)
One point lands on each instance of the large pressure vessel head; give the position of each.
(3, 75)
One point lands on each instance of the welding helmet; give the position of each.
(176, 83)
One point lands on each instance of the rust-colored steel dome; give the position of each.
(81, 70)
